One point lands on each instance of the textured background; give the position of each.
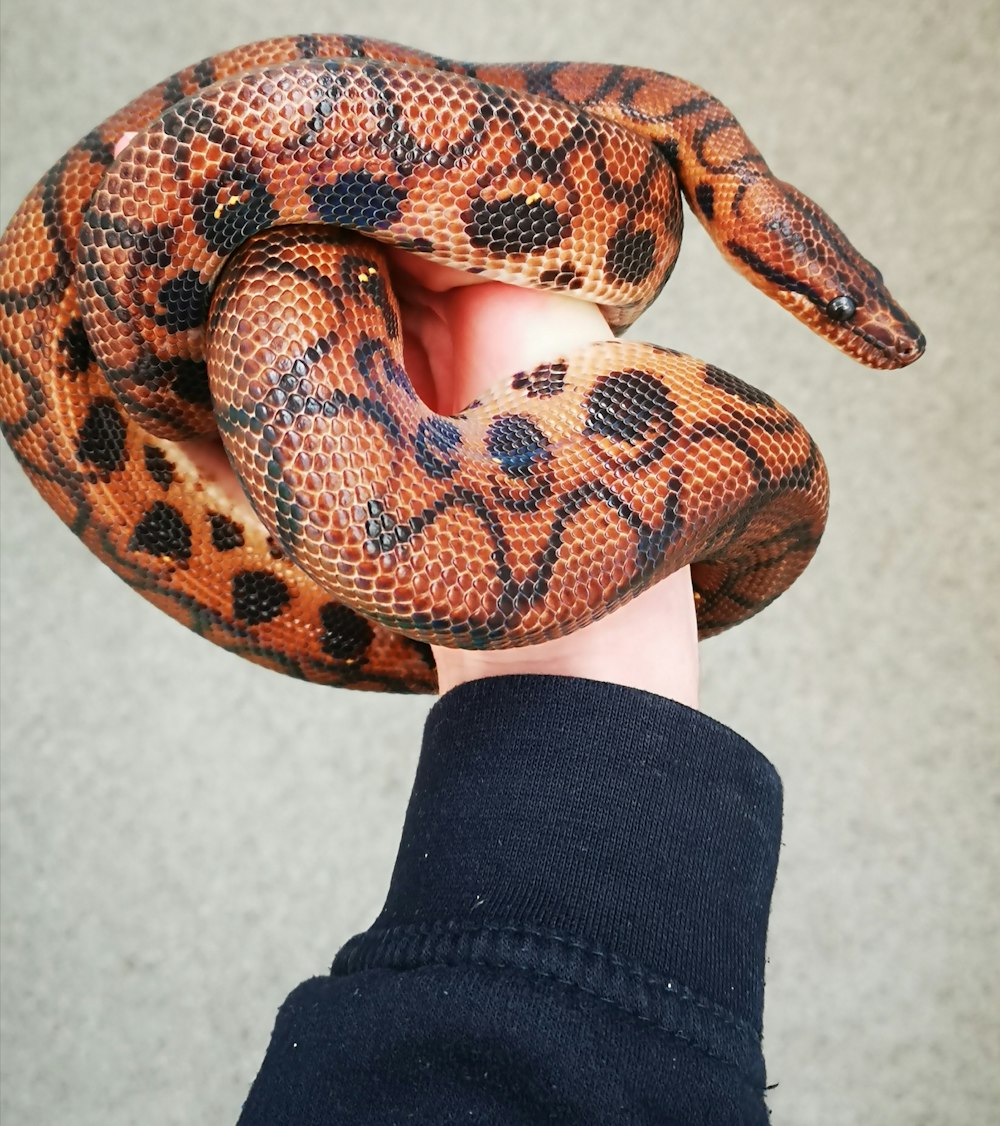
(186, 837)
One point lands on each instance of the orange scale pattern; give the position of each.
(151, 302)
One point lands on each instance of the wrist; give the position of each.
(651, 643)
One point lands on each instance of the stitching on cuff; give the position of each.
(628, 986)
(626, 965)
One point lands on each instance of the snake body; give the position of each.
(186, 287)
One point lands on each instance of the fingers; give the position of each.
(498, 330)
(464, 332)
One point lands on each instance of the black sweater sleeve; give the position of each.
(574, 932)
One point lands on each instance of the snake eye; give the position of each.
(841, 308)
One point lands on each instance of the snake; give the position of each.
(221, 282)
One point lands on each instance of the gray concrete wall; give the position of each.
(186, 837)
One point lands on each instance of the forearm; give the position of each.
(574, 931)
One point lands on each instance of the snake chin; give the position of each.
(878, 334)
(879, 347)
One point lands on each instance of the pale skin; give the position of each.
(461, 334)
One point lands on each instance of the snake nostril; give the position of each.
(911, 346)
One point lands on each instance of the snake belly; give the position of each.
(187, 289)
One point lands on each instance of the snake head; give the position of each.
(803, 260)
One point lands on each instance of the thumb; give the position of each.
(498, 330)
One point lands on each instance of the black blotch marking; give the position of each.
(186, 378)
(631, 255)
(226, 533)
(258, 596)
(435, 440)
(92, 235)
(188, 117)
(566, 277)
(75, 347)
(737, 435)
(709, 129)
(608, 85)
(360, 276)
(233, 208)
(173, 90)
(383, 532)
(310, 131)
(41, 294)
(52, 199)
(375, 363)
(162, 532)
(705, 195)
(626, 406)
(542, 382)
(101, 441)
(732, 385)
(381, 298)
(308, 46)
(185, 302)
(358, 200)
(204, 73)
(355, 46)
(692, 106)
(531, 159)
(117, 231)
(539, 79)
(517, 444)
(515, 226)
(158, 466)
(668, 150)
(738, 195)
(97, 149)
(36, 406)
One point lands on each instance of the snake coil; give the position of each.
(211, 279)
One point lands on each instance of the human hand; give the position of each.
(463, 334)
(459, 340)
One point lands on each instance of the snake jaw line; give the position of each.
(865, 337)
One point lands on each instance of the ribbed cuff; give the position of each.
(570, 809)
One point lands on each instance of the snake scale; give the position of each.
(211, 280)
